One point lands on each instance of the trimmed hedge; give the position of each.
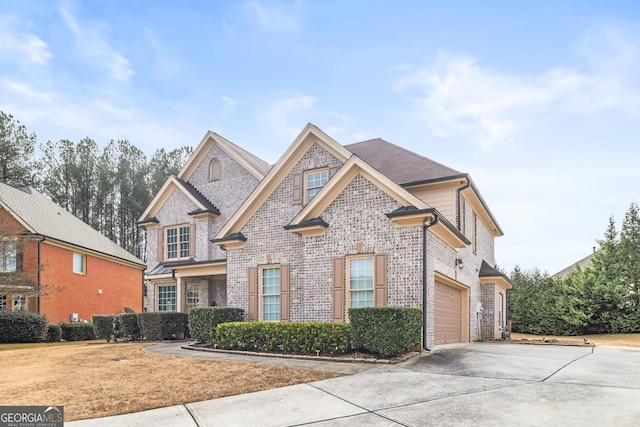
(158, 326)
(293, 338)
(77, 331)
(386, 331)
(129, 326)
(102, 326)
(21, 327)
(54, 333)
(204, 320)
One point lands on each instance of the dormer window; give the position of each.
(215, 170)
(313, 182)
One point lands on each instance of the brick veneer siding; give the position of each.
(120, 286)
(356, 215)
(227, 194)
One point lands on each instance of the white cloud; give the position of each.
(93, 45)
(275, 19)
(286, 115)
(20, 45)
(455, 96)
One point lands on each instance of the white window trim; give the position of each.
(347, 286)
(6, 243)
(178, 241)
(261, 294)
(306, 188)
(163, 285)
(83, 272)
(23, 307)
(3, 304)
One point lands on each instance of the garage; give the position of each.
(448, 314)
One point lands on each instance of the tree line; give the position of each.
(107, 188)
(603, 297)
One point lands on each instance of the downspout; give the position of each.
(39, 269)
(428, 222)
(458, 191)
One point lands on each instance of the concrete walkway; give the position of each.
(478, 384)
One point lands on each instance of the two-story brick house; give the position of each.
(55, 265)
(331, 227)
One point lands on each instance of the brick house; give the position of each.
(328, 227)
(55, 265)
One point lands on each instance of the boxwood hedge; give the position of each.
(386, 331)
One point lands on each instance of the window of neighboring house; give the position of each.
(270, 293)
(19, 303)
(193, 296)
(360, 282)
(215, 170)
(314, 181)
(178, 242)
(3, 303)
(8, 255)
(79, 263)
(167, 298)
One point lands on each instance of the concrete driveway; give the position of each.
(478, 384)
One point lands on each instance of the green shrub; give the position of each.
(21, 327)
(77, 331)
(103, 326)
(54, 333)
(204, 320)
(129, 326)
(158, 326)
(386, 331)
(293, 338)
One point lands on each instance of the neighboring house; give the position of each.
(583, 263)
(327, 228)
(55, 265)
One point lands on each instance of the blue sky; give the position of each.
(538, 101)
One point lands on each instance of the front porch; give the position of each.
(179, 286)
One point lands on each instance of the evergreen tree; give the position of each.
(17, 161)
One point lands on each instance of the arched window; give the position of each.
(214, 170)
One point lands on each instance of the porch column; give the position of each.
(179, 294)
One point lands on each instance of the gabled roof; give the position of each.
(309, 136)
(584, 262)
(203, 205)
(39, 215)
(254, 165)
(489, 274)
(399, 164)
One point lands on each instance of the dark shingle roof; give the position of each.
(209, 207)
(49, 219)
(399, 164)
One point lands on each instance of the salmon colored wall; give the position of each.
(69, 292)
(64, 292)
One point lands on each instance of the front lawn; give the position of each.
(96, 379)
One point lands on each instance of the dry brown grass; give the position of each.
(98, 379)
(631, 340)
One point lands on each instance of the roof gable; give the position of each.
(347, 173)
(304, 141)
(174, 183)
(39, 215)
(254, 165)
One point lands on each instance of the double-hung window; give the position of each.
(314, 181)
(178, 242)
(3, 303)
(270, 293)
(8, 255)
(360, 292)
(167, 298)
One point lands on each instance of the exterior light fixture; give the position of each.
(459, 263)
